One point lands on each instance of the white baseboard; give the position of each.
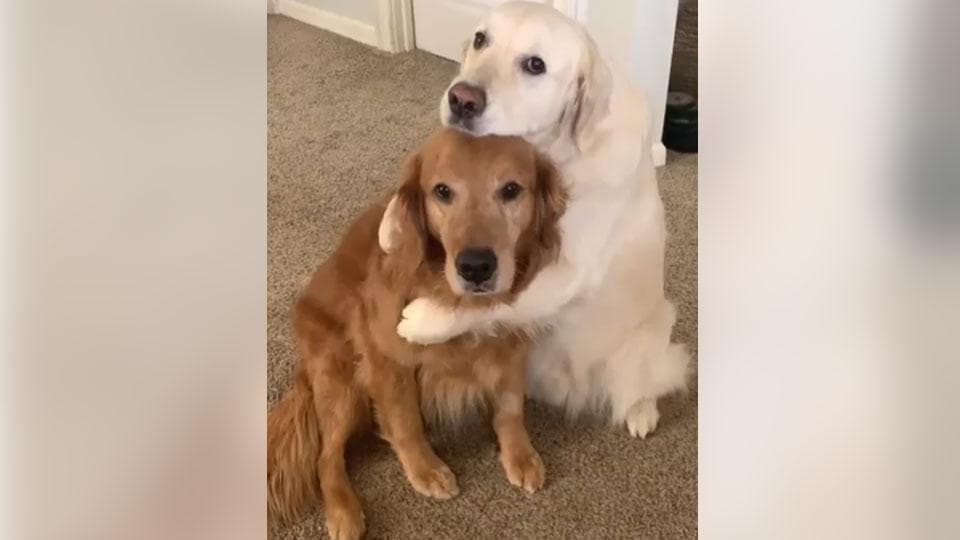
(338, 24)
(659, 154)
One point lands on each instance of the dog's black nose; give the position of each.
(476, 265)
(466, 100)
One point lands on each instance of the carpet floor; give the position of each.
(341, 118)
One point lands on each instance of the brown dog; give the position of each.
(472, 222)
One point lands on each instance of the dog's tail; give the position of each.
(293, 448)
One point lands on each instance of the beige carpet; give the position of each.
(341, 117)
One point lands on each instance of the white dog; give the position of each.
(530, 71)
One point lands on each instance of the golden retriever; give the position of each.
(471, 223)
(530, 71)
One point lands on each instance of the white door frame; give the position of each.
(395, 25)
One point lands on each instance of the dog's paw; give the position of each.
(437, 482)
(642, 418)
(345, 523)
(425, 322)
(524, 470)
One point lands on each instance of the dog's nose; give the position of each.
(476, 265)
(466, 100)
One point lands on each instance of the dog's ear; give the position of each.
(403, 228)
(591, 99)
(540, 244)
(550, 204)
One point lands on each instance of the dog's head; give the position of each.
(482, 210)
(528, 70)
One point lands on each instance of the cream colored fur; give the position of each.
(609, 324)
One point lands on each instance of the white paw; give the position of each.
(425, 322)
(642, 418)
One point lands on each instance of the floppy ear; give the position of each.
(403, 229)
(592, 98)
(550, 205)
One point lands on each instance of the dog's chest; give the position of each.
(454, 384)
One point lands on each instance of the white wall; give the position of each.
(358, 20)
(638, 34)
(364, 11)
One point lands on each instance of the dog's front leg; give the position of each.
(396, 398)
(520, 460)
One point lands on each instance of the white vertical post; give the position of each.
(638, 34)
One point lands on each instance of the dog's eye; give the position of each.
(510, 191)
(479, 40)
(443, 192)
(534, 65)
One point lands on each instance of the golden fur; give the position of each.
(354, 368)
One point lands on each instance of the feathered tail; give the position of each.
(293, 448)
